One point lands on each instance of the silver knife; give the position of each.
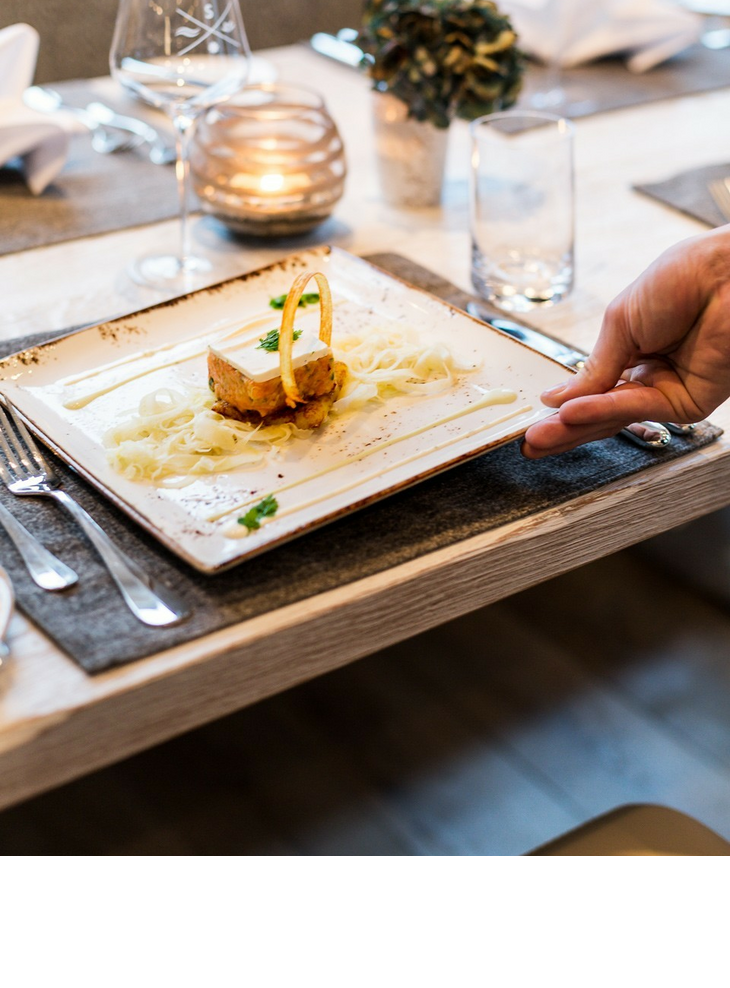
(649, 435)
(339, 47)
(7, 602)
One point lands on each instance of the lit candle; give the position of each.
(270, 162)
(271, 182)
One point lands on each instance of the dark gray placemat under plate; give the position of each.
(688, 192)
(90, 622)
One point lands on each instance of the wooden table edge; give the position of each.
(90, 722)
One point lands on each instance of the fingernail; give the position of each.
(555, 391)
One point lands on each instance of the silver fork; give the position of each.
(720, 192)
(47, 100)
(27, 472)
(106, 143)
(44, 568)
(160, 153)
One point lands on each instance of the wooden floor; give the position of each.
(490, 736)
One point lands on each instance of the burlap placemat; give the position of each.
(689, 192)
(90, 622)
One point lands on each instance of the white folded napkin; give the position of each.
(572, 32)
(39, 140)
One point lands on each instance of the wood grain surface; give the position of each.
(491, 734)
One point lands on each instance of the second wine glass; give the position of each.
(181, 56)
(557, 91)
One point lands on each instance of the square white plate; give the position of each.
(353, 460)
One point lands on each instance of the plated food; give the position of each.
(129, 403)
(268, 389)
(265, 382)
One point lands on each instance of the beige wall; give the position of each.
(76, 34)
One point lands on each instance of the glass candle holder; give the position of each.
(270, 162)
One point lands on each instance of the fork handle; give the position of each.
(140, 592)
(48, 572)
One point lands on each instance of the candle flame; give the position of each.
(272, 182)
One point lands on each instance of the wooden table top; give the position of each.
(57, 723)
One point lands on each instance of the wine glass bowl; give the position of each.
(180, 56)
(552, 88)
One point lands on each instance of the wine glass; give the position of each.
(181, 56)
(557, 92)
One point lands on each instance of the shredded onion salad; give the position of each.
(390, 361)
(175, 437)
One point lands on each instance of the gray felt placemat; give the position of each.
(93, 626)
(608, 84)
(94, 193)
(688, 192)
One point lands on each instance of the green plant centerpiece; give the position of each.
(442, 58)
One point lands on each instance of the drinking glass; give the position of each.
(181, 56)
(521, 208)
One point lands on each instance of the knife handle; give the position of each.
(648, 435)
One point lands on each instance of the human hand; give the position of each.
(663, 352)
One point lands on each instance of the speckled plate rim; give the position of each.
(17, 372)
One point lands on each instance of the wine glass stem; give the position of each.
(183, 121)
(554, 84)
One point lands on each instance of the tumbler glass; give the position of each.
(521, 208)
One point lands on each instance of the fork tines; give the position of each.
(21, 452)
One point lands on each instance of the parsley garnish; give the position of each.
(255, 515)
(309, 298)
(271, 340)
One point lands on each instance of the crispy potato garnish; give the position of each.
(286, 332)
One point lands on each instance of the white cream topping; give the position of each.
(258, 364)
(237, 531)
(497, 396)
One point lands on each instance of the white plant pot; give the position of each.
(411, 154)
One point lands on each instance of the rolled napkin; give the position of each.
(38, 140)
(573, 32)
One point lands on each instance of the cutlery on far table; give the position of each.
(650, 435)
(46, 100)
(716, 39)
(26, 472)
(111, 132)
(340, 47)
(160, 153)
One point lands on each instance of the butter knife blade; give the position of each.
(649, 435)
(7, 604)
